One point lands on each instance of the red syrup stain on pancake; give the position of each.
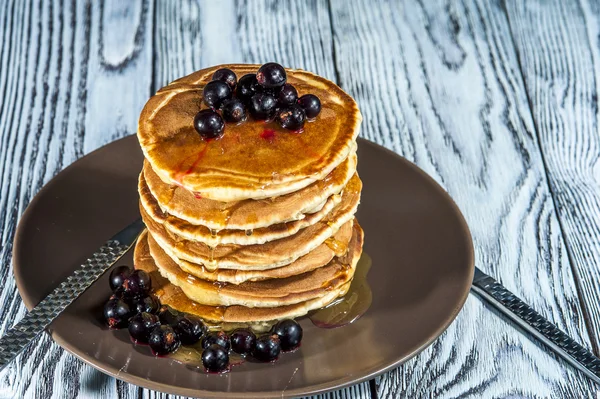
(198, 158)
(181, 173)
(268, 134)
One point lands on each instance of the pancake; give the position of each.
(320, 256)
(265, 293)
(264, 256)
(247, 214)
(221, 317)
(242, 237)
(245, 163)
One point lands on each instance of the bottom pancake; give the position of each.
(226, 317)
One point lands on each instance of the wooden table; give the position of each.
(498, 101)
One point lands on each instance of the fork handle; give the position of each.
(534, 323)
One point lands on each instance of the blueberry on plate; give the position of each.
(234, 110)
(271, 75)
(291, 118)
(116, 313)
(138, 284)
(242, 341)
(209, 124)
(141, 325)
(287, 95)
(262, 106)
(163, 340)
(216, 338)
(169, 316)
(118, 276)
(215, 359)
(247, 87)
(311, 105)
(226, 75)
(290, 334)
(267, 348)
(215, 93)
(189, 329)
(148, 304)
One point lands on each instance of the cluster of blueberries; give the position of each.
(164, 329)
(264, 95)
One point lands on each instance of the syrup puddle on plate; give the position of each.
(191, 357)
(351, 306)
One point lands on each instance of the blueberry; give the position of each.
(287, 95)
(118, 275)
(242, 341)
(234, 110)
(148, 304)
(138, 284)
(169, 316)
(218, 338)
(271, 75)
(189, 329)
(116, 313)
(311, 105)
(267, 348)
(163, 340)
(215, 359)
(247, 87)
(209, 124)
(227, 76)
(215, 93)
(291, 118)
(262, 106)
(141, 325)
(290, 334)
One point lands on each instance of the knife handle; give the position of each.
(40, 317)
(531, 321)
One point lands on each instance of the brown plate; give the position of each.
(422, 268)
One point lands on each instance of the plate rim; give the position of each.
(310, 390)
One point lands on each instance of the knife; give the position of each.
(20, 335)
(534, 323)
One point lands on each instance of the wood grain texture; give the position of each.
(560, 57)
(73, 76)
(439, 82)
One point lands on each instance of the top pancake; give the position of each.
(244, 163)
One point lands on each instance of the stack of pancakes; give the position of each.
(258, 225)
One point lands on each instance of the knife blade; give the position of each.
(532, 322)
(21, 334)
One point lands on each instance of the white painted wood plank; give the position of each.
(439, 82)
(191, 35)
(63, 95)
(559, 51)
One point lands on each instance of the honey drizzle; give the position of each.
(352, 305)
(338, 247)
(212, 254)
(191, 356)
